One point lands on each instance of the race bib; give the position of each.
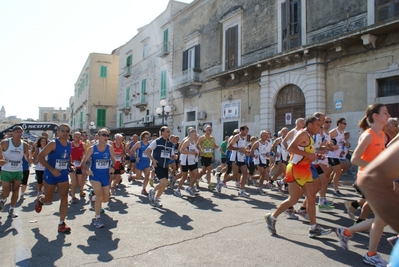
(207, 150)
(144, 155)
(118, 158)
(102, 164)
(61, 164)
(15, 164)
(165, 154)
(240, 156)
(77, 163)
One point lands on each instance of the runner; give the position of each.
(11, 153)
(159, 152)
(132, 166)
(206, 145)
(281, 158)
(118, 168)
(56, 173)
(299, 177)
(222, 150)
(39, 168)
(142, 160)
(77, 153)
(25, 174)
(299, 124)
(261, 149)
(99, 162)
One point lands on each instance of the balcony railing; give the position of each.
(188, 76)
(163, 49)
(127, 71)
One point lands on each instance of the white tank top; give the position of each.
(189, 159)
(235, 154)
(39, 166)
(13, 155)
(264, 151)
(340, 138)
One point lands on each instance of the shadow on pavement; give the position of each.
(170, 218)
(7, 228)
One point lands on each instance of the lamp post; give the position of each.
(92, 127)
(163, 111)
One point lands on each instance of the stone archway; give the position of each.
(290, 100)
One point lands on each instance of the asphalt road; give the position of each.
(210, 230)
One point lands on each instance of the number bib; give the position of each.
(77, 163)
(61, 164)
(15, 164)
(118, 158)
(102, 164)
(207, 150)
(144, 155)
(165, 154)
(240, 156)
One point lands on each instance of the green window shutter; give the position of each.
(127, 97)
(143, 90)
(165, 40)
(120, 119)
(80, 117)
(101, 115)
(129, 60)
(163, 84)
(87, 79)
(103, 71)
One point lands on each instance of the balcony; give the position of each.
(140, 102)
(188, 82)
(163, 49)
(127, 71)
(125, 110)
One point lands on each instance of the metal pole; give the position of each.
(163, 116)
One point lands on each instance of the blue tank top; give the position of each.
(59, 159)
(131, 144)
(249, 159)
(25, 164)
(100, 162)
(141, 152)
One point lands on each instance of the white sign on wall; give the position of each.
(231, 110)
(288, 118)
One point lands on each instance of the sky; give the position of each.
(45, 43)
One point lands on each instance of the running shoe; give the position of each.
(151, 195)
(211, 186)
(157, 203)
(290, 212)
(261, 192)
(130, 178)
(113, 191)
(63, 228)
(170, 182)
(238, 184)
(151, 182)
(144, 192)
(218, 176)
(269, 185)
(82, 194)
(343, 239)
(324, 208)
(242, 193)
(271, 224)
(303, 213)
(2, 203)
(189, 190)
(374, 260)
(73, 200)
(392, 240)
(213, 172)
(177, 192)
(195, 190)
(279, 186)
(102, 210)
(23, 196)
(38, 206)
(219, 186)
(349, 209)
(319, 231)
(197, 184)
(98, 223)
(12, 214)
(338, 194)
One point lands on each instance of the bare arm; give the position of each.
(42, 158)
(364, 141)
(232, 142)
(288, 137)
(301, 139)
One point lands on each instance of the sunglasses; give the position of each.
(327, 121)
(64, 131)
(104, 135)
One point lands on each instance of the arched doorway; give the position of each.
(290, 105)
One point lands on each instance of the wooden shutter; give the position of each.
(129, 60)
(185, 60)
(101, 115)
(232, 47)
(197, 56)
(294, 23)
(284, 25)
(120, 119)
(127, 97)
(165, 40)
(163, 84)
(143, 90)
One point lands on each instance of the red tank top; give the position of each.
(118, 155)
(77, 154)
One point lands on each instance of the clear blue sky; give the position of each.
(44, 44)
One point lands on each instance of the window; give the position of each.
(127, 99)
(191, 58)
(163, 84)
(87, 79)
(120, 119)
(44, 116)
(55, 117)
(143, 91)
(103, 71)
(386, 9)
(145, 51)
(191, 116)
(101, 116)
(291, 24)
(165, 41)
(388, 86)
(80, 117)
(129, 61)
(231, 47)
(64, 117)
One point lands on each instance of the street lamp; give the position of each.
(92, 127)
(163, 111)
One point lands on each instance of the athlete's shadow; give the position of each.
(117, 205)
(6, 227)
(76, 209)
(45, 252)
(203, 203)
(101, 243)
(170, 218)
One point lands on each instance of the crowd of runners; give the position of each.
(301, 162)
